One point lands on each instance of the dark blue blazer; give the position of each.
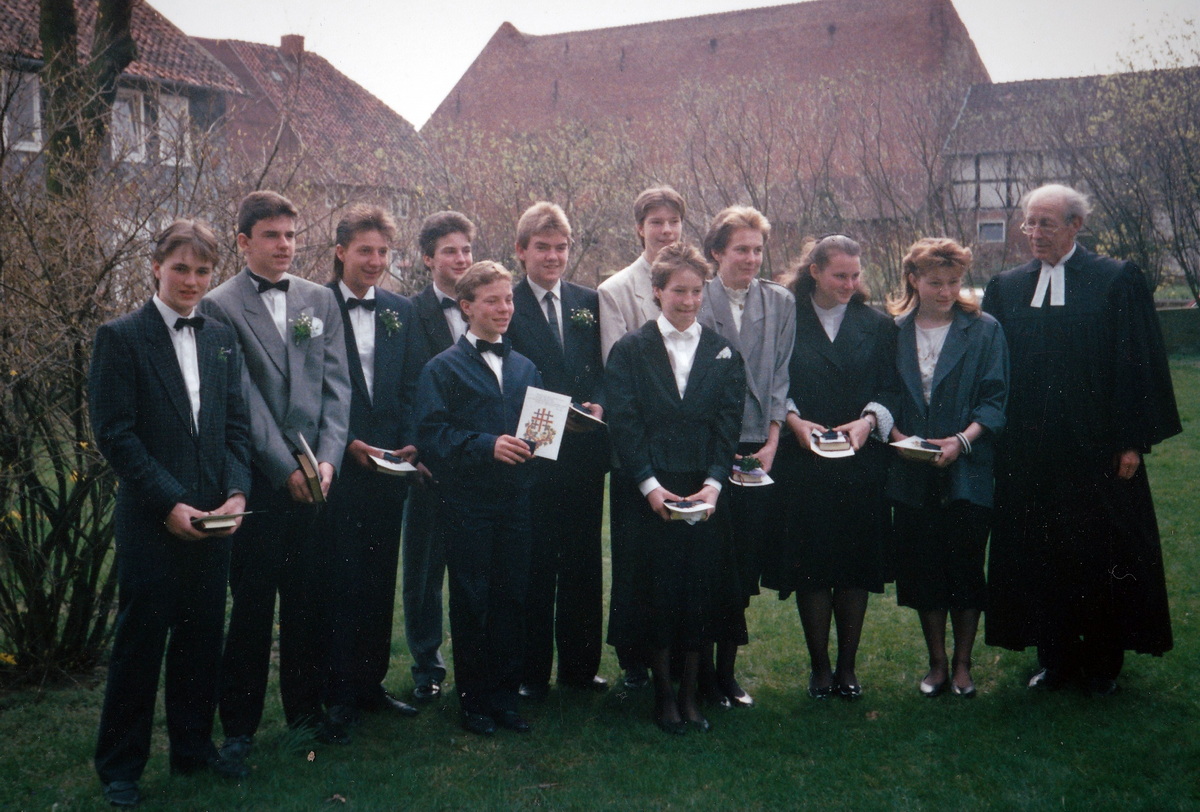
(142, 419)
(970, 384)
(656, 431)
(460, 413)
(385, 419)
(430, 334)
(574, 369)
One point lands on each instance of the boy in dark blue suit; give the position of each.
(469, 400)
(168, 415)
(366, 508)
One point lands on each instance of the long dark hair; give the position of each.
(819, 251)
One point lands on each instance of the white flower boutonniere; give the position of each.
(582, 317)
(724, 354)
(390, 320)
(307, 326)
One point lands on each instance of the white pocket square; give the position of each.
(318, 327)
(723, 354)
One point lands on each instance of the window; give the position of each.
(21, 103)
(129, 126)
(174, 129)
(991, 232)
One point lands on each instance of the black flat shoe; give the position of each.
(850, 691)
(933, 689)
(820, 693)
(735, 696)
(965, 693)
(637, 679)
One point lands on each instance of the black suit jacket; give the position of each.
(383, 419)
(574, 369)
(431, 334)
(142, 420)
(656, 431)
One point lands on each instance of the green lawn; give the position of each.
(1008, 749)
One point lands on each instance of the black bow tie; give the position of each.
(264, 284)
(487, 346)
(448, 303)
(195, 322)
(365, 304)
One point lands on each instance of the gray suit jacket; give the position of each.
(626, 303)
(766, 339)
(298, 386)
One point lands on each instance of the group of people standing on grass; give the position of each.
(1030, 422)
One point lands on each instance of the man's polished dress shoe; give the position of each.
(427, 693)
(229, 769)
(596, 685)
(124, 794)
(535, 691)
(511, 720)
(478, 723)
(1048, 679)
(337, 726)
(386, 703)
(236, 748)
(636, 679)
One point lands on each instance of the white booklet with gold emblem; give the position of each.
(543, 421)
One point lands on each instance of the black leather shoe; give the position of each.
(596, 685)
(511, 720)
(337, 726)
(386, 703)
(123, 794)
(850, 691)
(736, 697)
(478, 723)
(535, 691)
(427, 693)
(236, 748)
(637, 679)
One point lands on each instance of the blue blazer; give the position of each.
(142, 420)
(460, 413)
(970, 384)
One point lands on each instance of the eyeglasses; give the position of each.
(1047, 229)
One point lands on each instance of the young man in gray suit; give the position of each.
(296, 384)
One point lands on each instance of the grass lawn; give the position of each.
(1008, 749)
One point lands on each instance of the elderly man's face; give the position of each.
(1051, 234)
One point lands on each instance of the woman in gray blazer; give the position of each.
(953, 363)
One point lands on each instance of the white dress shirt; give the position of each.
(1053, 277)
(362, 322)
(737, 303)
(540, 294)
(929, 348)
(184, 341)
(275, 301)
(495, 362)
(453, 316)
(681, 351)
(830, 319)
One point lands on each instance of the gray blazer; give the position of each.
(626, 303)
(970, 384)
(298, 386)
(766, 340)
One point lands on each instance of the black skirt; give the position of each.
(939, 554)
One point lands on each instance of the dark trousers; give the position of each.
(564, 605)
(168, 589)
(487, 553)
(364, 515)
(279, 550)
(623, 507)
(424, 570)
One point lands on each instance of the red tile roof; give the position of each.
(165, 54)
(329, 113)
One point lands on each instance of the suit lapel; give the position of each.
(297, 306)
(389, 349)
(849, 338)
(702, 364)
(906, 359)
(534, 313)
(953, 349)
(808, 325)
(166, 363)
(660, 363)
(211, 381)
(437, 332)
(262, 324)
(722, 311)
(357, 379)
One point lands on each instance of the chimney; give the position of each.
(292, 45)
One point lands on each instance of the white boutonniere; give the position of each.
(307, 326)
(582, 317)
(390, 320)
(724, 354)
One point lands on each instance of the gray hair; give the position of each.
(1075, 204)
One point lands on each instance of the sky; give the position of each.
(411, 54)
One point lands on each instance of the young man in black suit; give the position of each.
(469, 399)
(167, 412)
(366, 507)
(445, 241)
(556, 325)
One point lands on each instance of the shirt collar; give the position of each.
(168, 315)
(540, 292)
(348, 294)
(1062, 262)
(666, 328)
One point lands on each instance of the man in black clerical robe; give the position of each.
(1076, 565)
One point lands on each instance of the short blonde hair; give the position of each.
(481, 273)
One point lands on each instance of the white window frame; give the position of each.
(979, 228)
(172, 125)
(130, 147)
(27, 83)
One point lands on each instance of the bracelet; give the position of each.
(964, 442)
